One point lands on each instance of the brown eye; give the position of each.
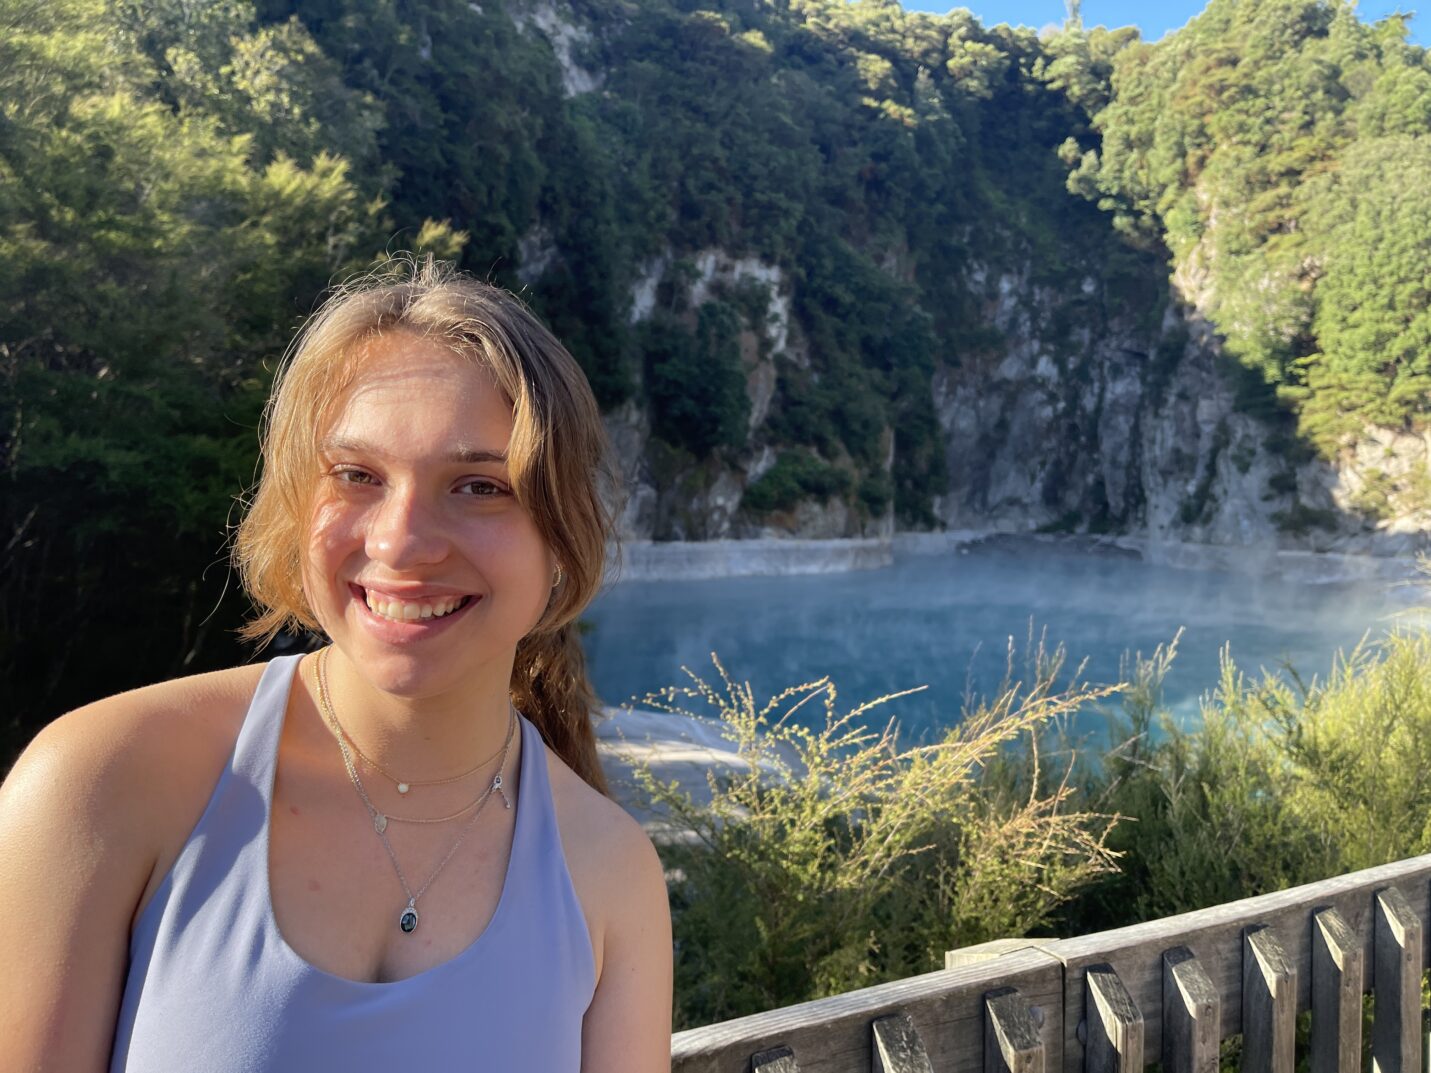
(481, 488)
(353, 476)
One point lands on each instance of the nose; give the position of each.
(404, 532)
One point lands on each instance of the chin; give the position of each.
(407, 677)
(415, 673)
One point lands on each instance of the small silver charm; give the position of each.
(403, 787)
(408, 921)
(497, 785)
(380, 822)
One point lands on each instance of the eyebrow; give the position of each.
(461, 453)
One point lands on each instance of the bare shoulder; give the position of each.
(598, 835)
(613, 864)
(132, 767)
(128, 733)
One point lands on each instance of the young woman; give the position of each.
(396, 853)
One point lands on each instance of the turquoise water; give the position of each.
(945, 621)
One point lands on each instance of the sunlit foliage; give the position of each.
(830, 858)
(1280, 150)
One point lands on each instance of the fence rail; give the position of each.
(1167, 991)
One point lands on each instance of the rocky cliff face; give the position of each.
(1143, 432)
(1126, 431)
(669, 496)
(1129, 430)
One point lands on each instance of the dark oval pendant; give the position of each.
(408, 921)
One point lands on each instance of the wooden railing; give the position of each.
(1166, 991)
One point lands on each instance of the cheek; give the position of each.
(526, 552)
(333, 533)
(515, 551)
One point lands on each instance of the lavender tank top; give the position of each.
(213, 985)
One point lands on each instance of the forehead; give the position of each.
(417, 388)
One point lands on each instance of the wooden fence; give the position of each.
(1167, 991)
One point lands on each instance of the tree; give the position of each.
(695, 381)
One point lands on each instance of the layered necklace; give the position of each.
(407, 919)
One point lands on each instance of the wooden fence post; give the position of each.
(1113, 1026)
(897, 1046)
(1338, 973)
(1192, 1015)
(1269, 1004)
(1011, 1038)
(1396, 1026)
(775, 1060)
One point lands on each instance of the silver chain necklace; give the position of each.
(405, 785)
(407, 920)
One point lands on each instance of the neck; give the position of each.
(422, 738)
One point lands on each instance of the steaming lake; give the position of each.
(944, 620)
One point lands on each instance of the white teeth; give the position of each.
(400, 611)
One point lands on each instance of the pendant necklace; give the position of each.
(381, 820)
(407, 920)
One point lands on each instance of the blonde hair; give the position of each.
(558, 461)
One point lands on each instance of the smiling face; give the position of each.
(421, 565)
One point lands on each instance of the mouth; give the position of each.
(418, 611)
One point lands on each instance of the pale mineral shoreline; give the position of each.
(654, 560)
(648, 560)
(677, 747)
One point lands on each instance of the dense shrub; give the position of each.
(1282, 781)
(834, 859)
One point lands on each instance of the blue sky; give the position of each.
(1154, 19)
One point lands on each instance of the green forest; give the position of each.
(180, 181)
